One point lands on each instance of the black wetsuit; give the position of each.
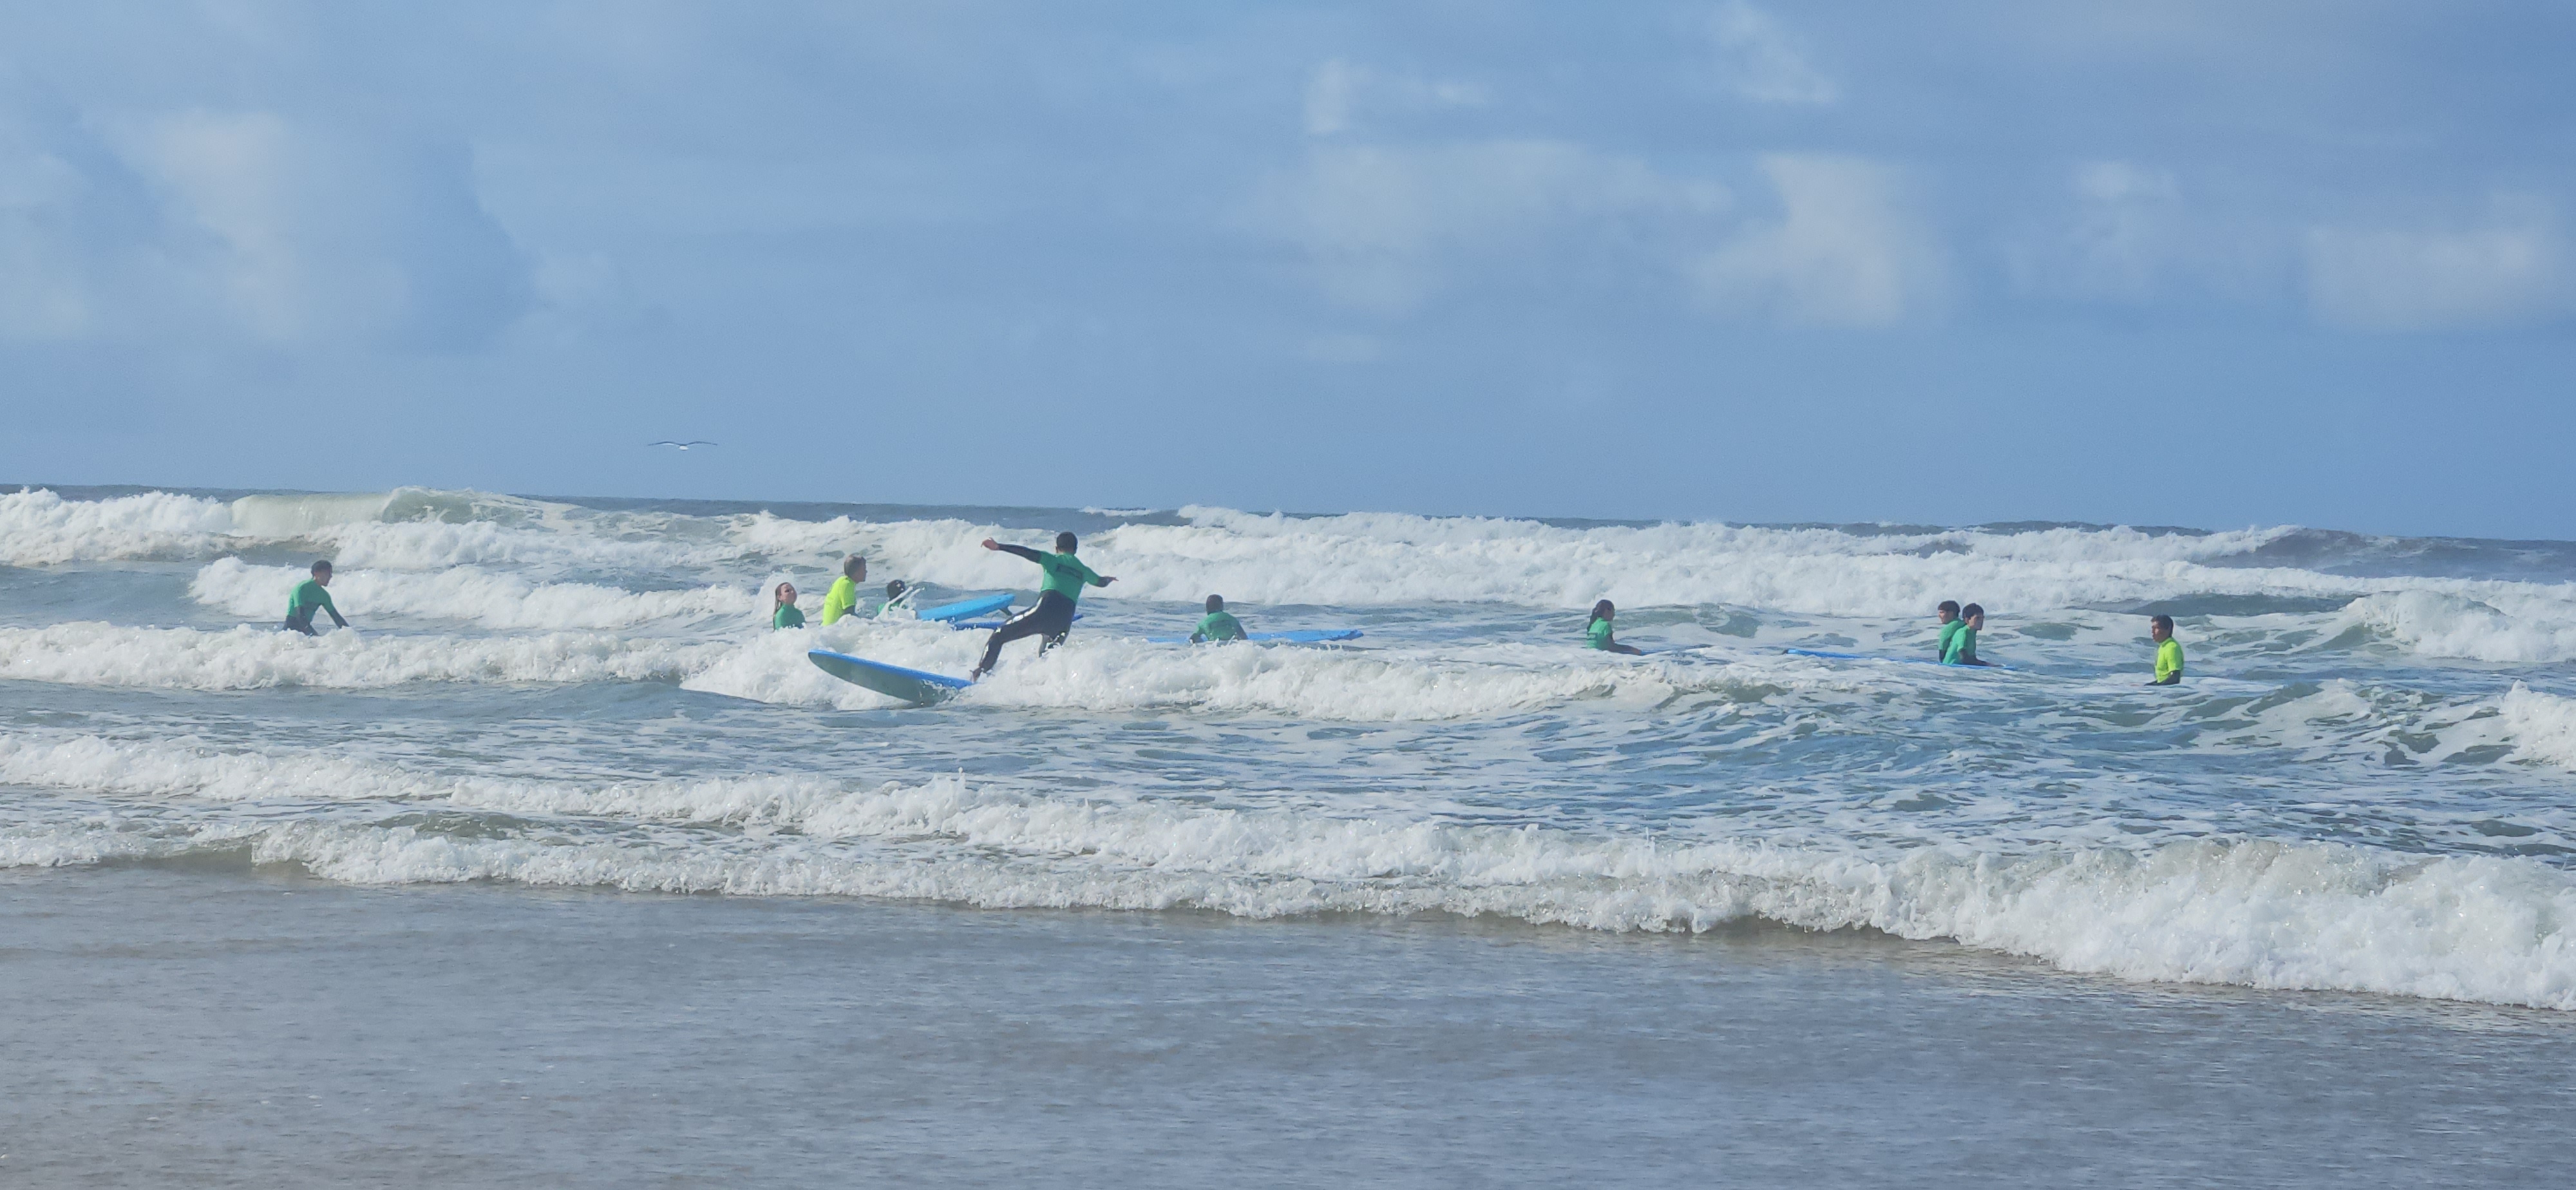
(1052, 618)
(1050, 621)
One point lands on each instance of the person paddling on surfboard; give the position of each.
(1218, 625)
(309, 599)
(1052, 619)
(1596, 632)
(1962, 649)
(1950, 625)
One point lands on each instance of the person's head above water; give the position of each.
(322, 572)
(1216, 603)
(786, 593)
(1974, 614)
(1064, 543)
(2160, 628)
(1948, 611)
(855, 567)
(895, 589)
(1603, 611)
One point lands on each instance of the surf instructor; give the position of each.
(1052, 619)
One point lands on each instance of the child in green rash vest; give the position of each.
(1949, 613)
(1218, 625)
(310, 598)
(1052, 619)
(1962, 649)
(2168, 651)
(843, 598)
(1596, 633)
(785, 614)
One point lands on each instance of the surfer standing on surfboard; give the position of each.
(1052, 619)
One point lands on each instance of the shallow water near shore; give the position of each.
(212, 1024)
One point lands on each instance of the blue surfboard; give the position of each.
(1868, 657)
(964, 608)
(893, 681)
(1301, 636)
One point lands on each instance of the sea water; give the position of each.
(2360, 790)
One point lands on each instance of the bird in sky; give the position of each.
(682, 445)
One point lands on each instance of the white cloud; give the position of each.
(1845, 251)
(2123, 235)
(246, 224)
(2510, 268)
(1341, 92)
(1386, 226)
(1762, 61)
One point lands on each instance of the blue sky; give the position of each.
(2190, 263)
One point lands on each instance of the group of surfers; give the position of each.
(1051, 620)
(1954, 644)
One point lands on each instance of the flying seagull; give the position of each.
(682, 445)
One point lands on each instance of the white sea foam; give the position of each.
(1364, 559)
(2542, 726)
(40, 528)
(472, 594)
(1098, 673)
(2250, 912)
(94, 654)
(2498, 622)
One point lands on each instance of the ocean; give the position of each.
(561, 867)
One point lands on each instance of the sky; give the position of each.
(2207, 264)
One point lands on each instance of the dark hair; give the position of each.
(854, 565)
(1972, 611)
(1064, 543)
(319, 567)
(1216, 603)
(894, 588)
(1603, 611)
(1948, 605)
(2160, 621)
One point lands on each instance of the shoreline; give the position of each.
(212, 1025)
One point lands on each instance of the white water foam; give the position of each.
(1355, 560)
(472, 594)
(2542, 726)
(95, 654)
(2249, 912)
(40, 528)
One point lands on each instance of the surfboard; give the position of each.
(1869, 657)
(964, 608)
(893, 681)
(1301, 636)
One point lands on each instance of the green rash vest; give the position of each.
(2169, 661)
(1941, 644)
(841, 600)
(1065, 575)
(1596, 635)
(787, 617)
(1217, 626)
(310, 594)
(1963, 646)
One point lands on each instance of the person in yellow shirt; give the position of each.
(2168, 651)
(843, 598)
